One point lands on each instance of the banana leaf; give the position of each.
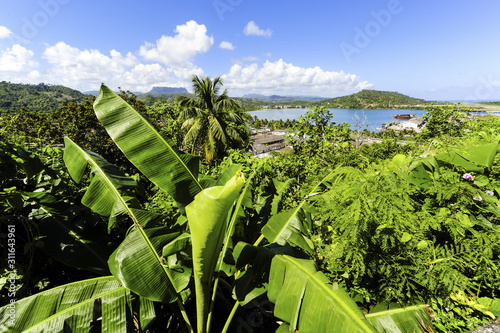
(244, 200)
(109, 190)
(75, 307)
(138, 254)
(207, 218)
(138, 264)
(70, 233)
(411, 319)
(303, 297)
(173, 171)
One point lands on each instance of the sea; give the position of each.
(371, 119)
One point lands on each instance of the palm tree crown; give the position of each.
(213, 122)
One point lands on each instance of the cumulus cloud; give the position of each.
(252, 29)
(4, 32)
(16, 59)
(226, 46)
(284, 78)
(17, 65)
(86, 69)
(177, 51)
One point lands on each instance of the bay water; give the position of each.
(371, 119)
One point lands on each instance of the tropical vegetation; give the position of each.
(131, 228)
(214, 122)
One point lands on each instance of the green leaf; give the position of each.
(136, 263)
(244, 200)
(173, 171)
(304, 299)
(473, 159)
(108, 193)
(70, 307)
(402, 320)
(207, 218)
(289, 227)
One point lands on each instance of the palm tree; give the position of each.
(213, 122)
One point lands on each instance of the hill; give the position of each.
(35, 97)
(166, 90)
(372, 99)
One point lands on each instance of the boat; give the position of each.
(404, 116)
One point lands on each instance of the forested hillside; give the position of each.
(35, 97)
(371, 99)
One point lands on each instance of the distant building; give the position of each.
(267, 142)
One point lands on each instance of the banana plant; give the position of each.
(161, 264)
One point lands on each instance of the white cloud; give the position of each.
(16, 59)
(226, 45)
(283, 78)
(4, 32)
(86, 69)
(17, 65)
(252, 29)
(250, 59)
(177, 51)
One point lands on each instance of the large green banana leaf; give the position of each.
(173, 171)
(75, 307)
(244, 200)
(136, 263)
(207, 218)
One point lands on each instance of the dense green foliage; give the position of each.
(444, 120)
(41, 98)
(387, 225)
(184, 263)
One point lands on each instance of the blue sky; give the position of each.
(445, 50)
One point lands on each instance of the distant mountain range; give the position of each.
(282, 99)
